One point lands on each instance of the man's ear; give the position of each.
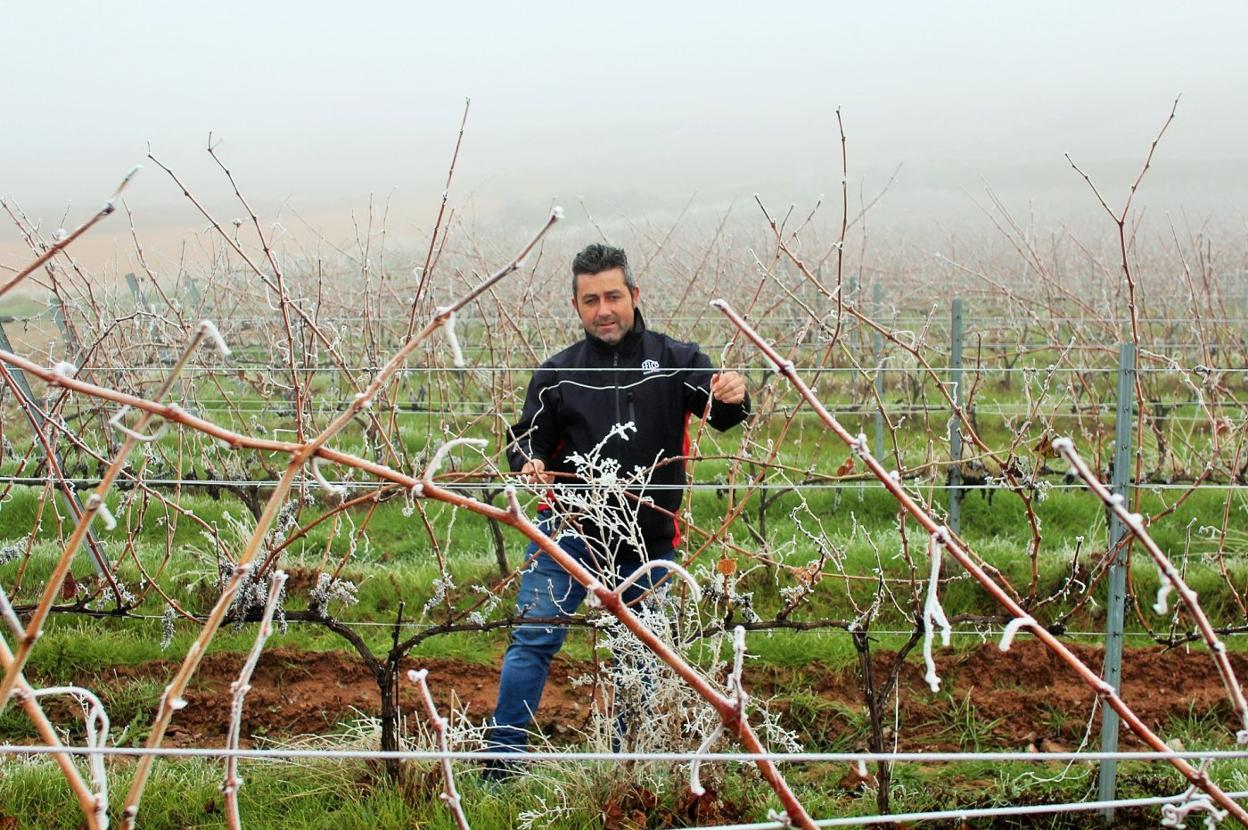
(636, 295)
(575, 307)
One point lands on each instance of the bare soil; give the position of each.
(1021, 697)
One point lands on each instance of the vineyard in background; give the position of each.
(947, 449)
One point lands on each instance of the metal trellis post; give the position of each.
(139, 299)
(955, 431)
(1117, 600)
(58, 316)
(192, 292)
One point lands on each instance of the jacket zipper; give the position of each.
(615, 363)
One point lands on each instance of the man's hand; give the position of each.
(728, 387)
(534, 472)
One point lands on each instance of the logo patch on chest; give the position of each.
(648, 366)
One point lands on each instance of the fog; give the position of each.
(638, 108)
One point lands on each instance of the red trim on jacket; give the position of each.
(677, 536)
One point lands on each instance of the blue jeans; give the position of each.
(546, 590)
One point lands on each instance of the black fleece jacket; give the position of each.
(578, 396)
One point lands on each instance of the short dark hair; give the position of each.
(596, 258)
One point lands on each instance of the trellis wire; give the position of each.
(976, 812)
(867, 369)
(682, 757)
(536, 755)
(851, 484)
(982, 632)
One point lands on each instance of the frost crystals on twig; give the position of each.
(116, 423)
(329, 589)
(646, 567)
(450, 795)
(95, 720)
(1175, 815)
(933, 614)
(1012, 629)
(448, 328)
(333, 489)
(737, 698)
(443, 451)
(212, 334)
(239, 689)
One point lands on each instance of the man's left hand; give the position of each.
(728, 387)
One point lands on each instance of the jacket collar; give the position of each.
(627, 343)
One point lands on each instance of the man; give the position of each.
(620, 400)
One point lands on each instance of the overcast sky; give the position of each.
(322, 103)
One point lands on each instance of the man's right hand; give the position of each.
(534, 472)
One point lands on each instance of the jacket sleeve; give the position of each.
(536, 434)
(698, 391)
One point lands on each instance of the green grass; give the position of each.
(797, 649)
(20, 306)
(186, 794)
(962, 724)
(329, 795)
(1200, 729)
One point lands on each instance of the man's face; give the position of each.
(606, 305)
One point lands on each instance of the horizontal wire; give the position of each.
(982, 633)
(530, 756)
(856, 484)
(654, 319)
(955, 814)
(973, 812)
(1103, 413)
(990, 350)
(867, 369)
